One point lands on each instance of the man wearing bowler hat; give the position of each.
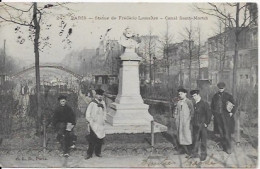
(223, 108)
(200, 122)
(64, 121)
(96, 116)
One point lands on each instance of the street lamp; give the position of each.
(154, 59)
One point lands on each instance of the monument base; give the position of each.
(129, 114)
(133, 129)
(131, 118)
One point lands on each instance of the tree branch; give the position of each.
(232, 5)
(58, 4)
(242, 7)
(19, 9)
(23, 24)
(218, 11)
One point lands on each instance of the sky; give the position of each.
(90, 21)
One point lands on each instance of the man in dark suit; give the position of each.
(223, 108)
(64, 120)
(200, 121)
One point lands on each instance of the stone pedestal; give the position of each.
(128, 113)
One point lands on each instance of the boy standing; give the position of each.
(201, 120)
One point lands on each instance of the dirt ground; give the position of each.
(125, 150)
(244, 156)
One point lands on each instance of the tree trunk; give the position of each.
(150, 69)
(37, 68)
(234, 89)
(190, 53)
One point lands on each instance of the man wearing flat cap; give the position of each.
(200, 122)
(223, 108)
(64, 121)
(96, 116)
(183, 113)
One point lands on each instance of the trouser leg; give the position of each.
(187, 149)
(92, 142)
(196, 136)
(221, 128)
(66, 142)
(227, 136)
(73, 138)
(204, 142)
(98, 146)
(90, 149)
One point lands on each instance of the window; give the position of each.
(247, 60)
(213, 46)
(254, 39)
(246, 76)
(240, 60)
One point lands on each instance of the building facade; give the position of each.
(221, 55)
(182, 63)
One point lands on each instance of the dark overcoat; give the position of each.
(219, 110)
(202, 113)
(63, 115)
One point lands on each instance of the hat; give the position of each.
(99, 91)
(192, 92)
(62, 97)
(182, 90)
(221, 85)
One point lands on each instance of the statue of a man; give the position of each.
(128, 40)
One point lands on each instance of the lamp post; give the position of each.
(112, 62)
(154, 65)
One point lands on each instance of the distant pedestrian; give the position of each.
(96, 116)
(64, 120)
(183, 113)
(223, 108)
(200, 122)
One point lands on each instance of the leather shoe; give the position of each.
(228, 151)
(194, 156)
(88, 157)
(99, 155)
(203, 158)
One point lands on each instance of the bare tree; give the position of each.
(30, 16)
(147, 50)
(199, 50)
(189, 36)
(165, 49)
(238, 21)
(222, 48)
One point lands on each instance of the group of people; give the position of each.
(193, 118)
(64, 121)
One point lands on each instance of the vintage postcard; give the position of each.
(128, 85)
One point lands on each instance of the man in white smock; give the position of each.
(96, 116)
(183, 113)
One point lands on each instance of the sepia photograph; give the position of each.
(128, 85)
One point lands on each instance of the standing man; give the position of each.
(200, 121)
(223, 109)
(64, 121)
(183, 113)
(96, 116)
